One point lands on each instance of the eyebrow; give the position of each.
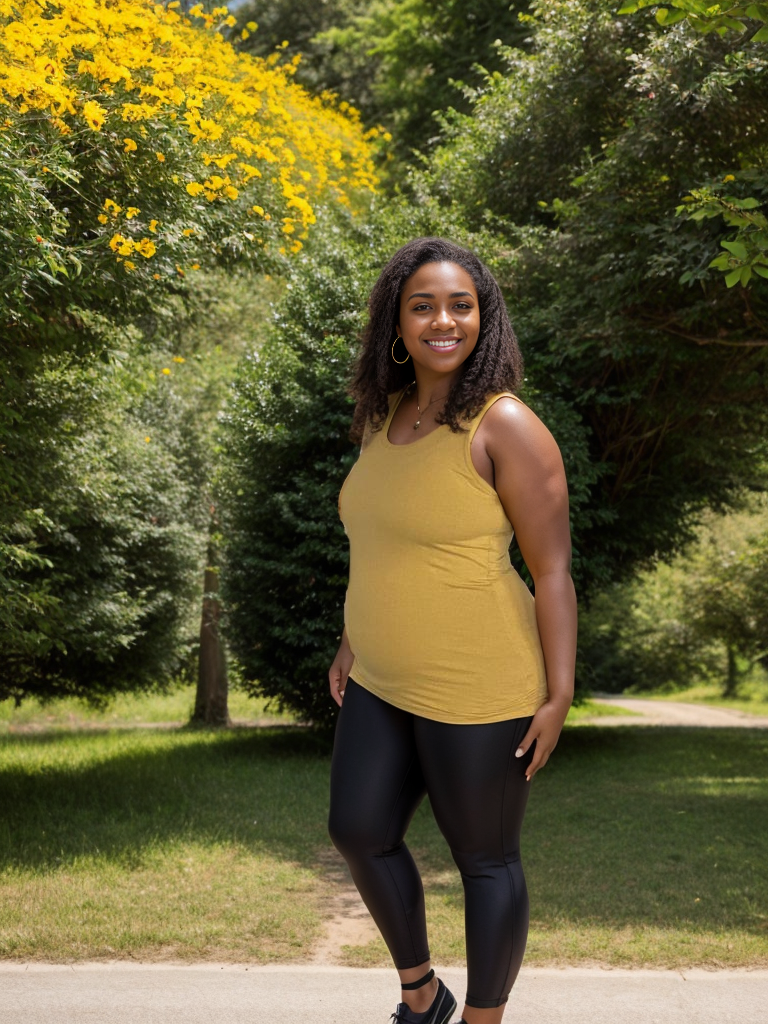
(429, 295)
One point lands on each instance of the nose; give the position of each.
(443, 321)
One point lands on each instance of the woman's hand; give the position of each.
(545, 728)
(340, 669)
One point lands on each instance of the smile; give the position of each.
(442, 343)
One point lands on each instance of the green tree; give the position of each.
(700, 617)
(578, 155)
(398, 61)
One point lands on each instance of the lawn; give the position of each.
(643, 847)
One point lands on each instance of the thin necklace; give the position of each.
(422, 411)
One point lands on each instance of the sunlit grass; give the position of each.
(126, 709)
(643, 847)
(160, 844)
(590, 709)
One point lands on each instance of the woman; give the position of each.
(452, 681)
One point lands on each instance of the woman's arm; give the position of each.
(530, 480)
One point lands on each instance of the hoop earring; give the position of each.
(399, 361)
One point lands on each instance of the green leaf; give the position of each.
(758, 269)
(629, 8)
(761, 36)
(746, 274)
(733, 278)
(747, 204)
(665, 16)
(737, 248)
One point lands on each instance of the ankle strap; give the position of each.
(409, 985)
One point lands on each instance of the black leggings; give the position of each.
(384, 761)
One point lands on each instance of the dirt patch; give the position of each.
(662, 712)
(347, 921)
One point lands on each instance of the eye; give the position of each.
(420, 307)
(463, 305)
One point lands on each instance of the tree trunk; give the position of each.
(211, 700)
(732, 678)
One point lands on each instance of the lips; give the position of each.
(442, 344)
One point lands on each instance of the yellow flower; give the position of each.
(729, 177)
(132, 211)
(146, 247)
(156, 277)
(129, 265)
(147, 438)
(142, 63)
(166, 371)
(94, 114)
(153, 225)
(188, 231)
(195, 266)
(111, 207)
(102, 218)
(179, 359)
(258, 210)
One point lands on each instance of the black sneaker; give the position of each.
(439, 1012)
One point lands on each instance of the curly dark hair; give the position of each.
(494, 365)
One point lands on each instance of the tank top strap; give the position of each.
(491, 401)
(394, 402)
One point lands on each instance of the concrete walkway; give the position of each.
(226, 994)
(669, 712)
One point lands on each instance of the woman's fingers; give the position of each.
(539, 759)
(527, 740)
(338, 683)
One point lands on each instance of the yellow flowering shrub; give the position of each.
(125, 118)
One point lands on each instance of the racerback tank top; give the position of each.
(438, 620)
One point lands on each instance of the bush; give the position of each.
(99, 589)
(701, 617)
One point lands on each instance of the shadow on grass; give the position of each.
(121, 795)
(635, 826)
(662, 827)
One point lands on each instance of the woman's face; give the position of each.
(439, 316)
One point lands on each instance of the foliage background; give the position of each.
(139, 152)
(166, 176)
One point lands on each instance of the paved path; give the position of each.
(215, 994)
(668, 712)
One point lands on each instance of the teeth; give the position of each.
(443, 344)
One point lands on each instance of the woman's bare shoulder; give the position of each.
(511, 425)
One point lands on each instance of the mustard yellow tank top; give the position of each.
(439, 622)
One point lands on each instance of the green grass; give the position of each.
(160, 844)
(590, 709)
(125, 710)
(643, 847)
